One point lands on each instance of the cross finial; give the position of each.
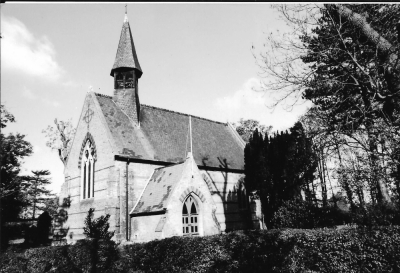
(126, 13)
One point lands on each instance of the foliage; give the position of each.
(246, 127)
(13, 149)
(97, 228)
(344, 59)
(302, 214)
(5, 116)
(84, 256)
(51, 205)
(60, 138)
(373, 215)
(278, 167)
(35, 192)
(291, 250)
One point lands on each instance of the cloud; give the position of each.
(37, 149)
(51, 102)
(22, 52)
(27, 93)
(249, 104)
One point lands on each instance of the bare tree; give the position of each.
(346, 63)
(60, 138)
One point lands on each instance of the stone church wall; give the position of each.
(224, 187)
(110, 181)
(138, 175)
(104, 184)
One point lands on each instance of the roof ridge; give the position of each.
(183, 114)
(102, 95)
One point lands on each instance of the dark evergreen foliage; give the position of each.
(97, 228)
(278, 167)
(35, 193)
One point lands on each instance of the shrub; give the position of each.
(97, 228)
(301, 214)
(377, 215)
(290, 250)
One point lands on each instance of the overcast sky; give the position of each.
(196, 59)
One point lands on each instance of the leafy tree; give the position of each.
(51, 205)
(246, 127)
(60, 138)
(13, 149)
(35, 192)
(97, 228)
(344, 59)
(6, 117)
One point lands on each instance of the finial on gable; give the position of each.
(126, 13)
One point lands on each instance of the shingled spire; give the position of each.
(126, 72)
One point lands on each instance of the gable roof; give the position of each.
(126, 53)
(163, 136)
(158, 189)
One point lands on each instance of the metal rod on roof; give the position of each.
(190, 131)
(191, 143)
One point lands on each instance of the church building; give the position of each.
(156, 172)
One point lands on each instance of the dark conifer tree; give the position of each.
(277, 168)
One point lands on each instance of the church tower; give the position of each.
(126, 72)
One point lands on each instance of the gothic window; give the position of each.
(87, 169)
(190, 223)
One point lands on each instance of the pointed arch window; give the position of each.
(87, 169)
(190, 217)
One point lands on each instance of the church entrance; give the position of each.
(190, 217)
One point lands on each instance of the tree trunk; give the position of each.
(321, 172)
(345, 182)
(382, 194)
(324, 189)
(383, 46)
(330, 184)
(34, 199)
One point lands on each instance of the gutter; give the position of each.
(125, 158)
(147, 213)
(126, 201)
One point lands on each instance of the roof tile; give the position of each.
(163, 136)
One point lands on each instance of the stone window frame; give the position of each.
(88, 165)
(190, 219)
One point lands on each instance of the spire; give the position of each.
(126, 54)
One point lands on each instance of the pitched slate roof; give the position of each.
(158, 189)
(126, 52)
(163, 136)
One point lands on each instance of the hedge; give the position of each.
(290, 250)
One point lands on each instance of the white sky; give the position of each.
(196, 58)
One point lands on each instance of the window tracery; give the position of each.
(190, 215)
(87, 169)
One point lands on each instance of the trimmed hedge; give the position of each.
(323, 250)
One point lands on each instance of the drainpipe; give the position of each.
(126, 203)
